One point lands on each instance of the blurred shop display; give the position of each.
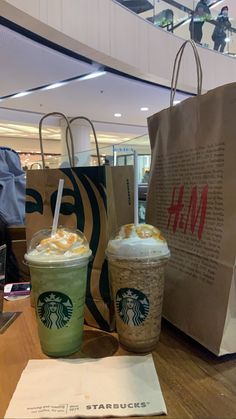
(32, 160)
(113, 155)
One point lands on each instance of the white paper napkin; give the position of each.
(67, 388)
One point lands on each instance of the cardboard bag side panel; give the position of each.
(88, 195)
(229, 336)
(120, 197)
(192, 200)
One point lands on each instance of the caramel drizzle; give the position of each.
(70, 240)
(143, 231)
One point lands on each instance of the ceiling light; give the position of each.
(21, 94)
(93, 75)
(144, 109)
(117, 115)
(176, 102)
(54, 86)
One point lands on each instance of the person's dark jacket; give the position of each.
(12, 205)
(222, 24)
(12, 269)
(202, 12)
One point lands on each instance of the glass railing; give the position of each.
(122, 154)
(207, 22)
(119, 154)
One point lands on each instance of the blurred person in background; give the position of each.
(146, 175)
(12, 205)
(12, 187)
(222, 25)
(200, 15)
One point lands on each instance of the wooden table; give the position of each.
(195, 383)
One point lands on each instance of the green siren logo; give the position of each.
(132, 306)
(54, 309)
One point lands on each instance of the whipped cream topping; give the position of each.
(62, 245)
(139, 241)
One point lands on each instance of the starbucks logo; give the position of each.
(132, 306)
(54, 309)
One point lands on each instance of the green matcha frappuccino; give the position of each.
(58, 267)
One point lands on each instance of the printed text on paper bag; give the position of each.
(189, 208)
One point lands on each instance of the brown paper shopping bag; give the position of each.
(97, 201)
(192, 199)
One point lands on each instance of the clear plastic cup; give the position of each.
(59, 287)
(137, 285)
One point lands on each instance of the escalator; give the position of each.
(137, 6)
(175, 16)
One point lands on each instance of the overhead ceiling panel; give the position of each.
(99, 99)
(26, 64)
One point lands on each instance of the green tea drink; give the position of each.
(137, 257)
(58, 268)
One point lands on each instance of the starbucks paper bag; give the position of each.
(97, 201)
(72, 388)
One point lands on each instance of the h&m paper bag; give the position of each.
(192, 199)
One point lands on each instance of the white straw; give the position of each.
(115, 158)
(135, 188)
(58, 204)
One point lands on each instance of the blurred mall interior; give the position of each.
(41, 75)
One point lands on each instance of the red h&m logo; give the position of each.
(183, 221)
